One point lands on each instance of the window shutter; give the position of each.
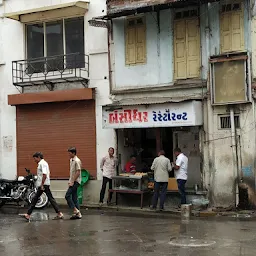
(193, 48)
(141, 44)
(180, 49)
(226, 37)
(237, 31)
(130, 56)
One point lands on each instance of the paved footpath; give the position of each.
(125, 234)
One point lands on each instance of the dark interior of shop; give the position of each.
(145, 144)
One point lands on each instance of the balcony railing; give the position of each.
(50, 70)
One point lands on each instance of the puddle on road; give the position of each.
(190, 242)
(40, 216)
(241, 215)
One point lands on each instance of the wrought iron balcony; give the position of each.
(51, 70)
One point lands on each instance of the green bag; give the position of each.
(80, 191)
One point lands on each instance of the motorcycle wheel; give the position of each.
(42, 201)
(2, 203)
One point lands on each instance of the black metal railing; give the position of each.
(60, 68)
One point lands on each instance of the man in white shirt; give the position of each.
(108, 167)
(181, 170)
(161, 167)
(43, 185)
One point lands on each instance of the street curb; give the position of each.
(168, 212)
(136, 210)
(195, 213)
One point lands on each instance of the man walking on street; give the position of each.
(181, 170)
(43, 185)
(74, 183)
(161, 167)
(108, 166)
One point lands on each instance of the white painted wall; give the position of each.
(11, 35)
(97, 44)
(12, 39)
(219, 169)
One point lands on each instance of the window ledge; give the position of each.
(179, 84)
(190, 83)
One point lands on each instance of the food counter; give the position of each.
(138, 181)
(127, 183)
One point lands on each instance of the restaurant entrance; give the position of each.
(145, 144)
(142, 131)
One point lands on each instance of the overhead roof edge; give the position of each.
(48, 12)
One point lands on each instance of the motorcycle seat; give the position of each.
(7, 181)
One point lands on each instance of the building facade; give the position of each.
(55, 79)
(166, 57)
(154, 74)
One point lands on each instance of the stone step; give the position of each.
(59, 193)
(59, 184)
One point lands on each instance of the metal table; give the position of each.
(134, 192)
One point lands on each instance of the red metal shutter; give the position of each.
(53, 127)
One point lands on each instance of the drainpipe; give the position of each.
(207, 183)
(110, 49)
(207, 35)
(235, 154)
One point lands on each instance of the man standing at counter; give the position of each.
(181, 170)
(161, 167)
(108, 166)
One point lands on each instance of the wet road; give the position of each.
(124, 234)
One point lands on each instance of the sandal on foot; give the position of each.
(59, 217)
(24, 216)
(76, 216)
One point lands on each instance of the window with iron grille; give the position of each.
(225, 122)
(55, 39)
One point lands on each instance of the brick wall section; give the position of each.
(53, 127)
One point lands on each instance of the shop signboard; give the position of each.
(156, 115)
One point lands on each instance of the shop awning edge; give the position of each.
(145, 6)
(148, 101)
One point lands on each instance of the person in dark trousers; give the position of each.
(74, 183)
(43, 185)
(108, 166)
(161, 167)
(181, 170)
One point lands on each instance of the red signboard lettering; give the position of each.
(127, 116)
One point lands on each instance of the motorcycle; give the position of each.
(23, 189)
